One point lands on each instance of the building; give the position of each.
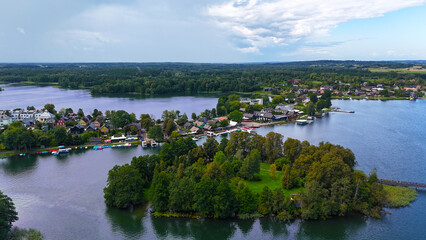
(44, 116)
(5, 121)
(60, 123)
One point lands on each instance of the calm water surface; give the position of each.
(62, 195)
(16, 96)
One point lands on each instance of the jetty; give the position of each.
(402, 183)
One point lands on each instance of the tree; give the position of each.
(160, 192)
(236, 116)
(181, 197)
(286, 180)
(210, 147)
(277, 99)
(169, 126)
(222, 144)
(273, 146)
(80, 113)
(120, 118)
(194, 116)
(247, 201)
(251, 165)
(310, 109)
(313, 97)
(95, 113)
(31, 108)
(183, 119)
(8, 214)
(146, 121)
(203, 196)
(124, 187)
(219, 157)
(156, 133)
(60, 135)
(50, 108)
(265, 204)
(175, 135)
(292, 148)
(214, 171)
(273, 171)
(17, 137)
(224, 123)
(224, 201)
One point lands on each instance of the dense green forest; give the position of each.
(161, 78)
(220, 179)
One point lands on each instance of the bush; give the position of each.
(399, 196)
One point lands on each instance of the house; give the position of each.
(207, 127)
(5, 121)
(91, 128)
(188, 125)
(89, 118)
(198, 123)
(96, 123)
(248, 116)
(60, 123)
(118, 137)
(326, 88)
(104, 129)
(44, 116)
(194, 130)
(77, 129)
(83, 122)
(28, 122)
(280, 117)
(95, 140)
(412, 88)
(252, 101)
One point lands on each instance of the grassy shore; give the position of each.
(399, 196)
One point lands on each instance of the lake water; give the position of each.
(62, 195)
(18, 96)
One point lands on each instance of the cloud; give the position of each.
(266, 23)
(20, 30)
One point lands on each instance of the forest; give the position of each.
(247, 176)
(179, 78)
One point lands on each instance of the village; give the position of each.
(290, 103)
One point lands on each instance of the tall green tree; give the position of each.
(210, 147)
(224, 200)
(160, 192)
(50, 108)
(124, 187)
(181, 198)
(8, 214)
(204, 192)
(292, 149)
(156, 133)
(273, 146)
(251, 165)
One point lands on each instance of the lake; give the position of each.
(62, 195)
(21, 96)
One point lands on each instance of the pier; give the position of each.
(402, 183)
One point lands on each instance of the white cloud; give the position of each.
(264, 23)
(20, 30)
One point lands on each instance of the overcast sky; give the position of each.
(211, 31)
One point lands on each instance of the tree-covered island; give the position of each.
(249, 176)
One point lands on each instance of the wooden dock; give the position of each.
(401, 183)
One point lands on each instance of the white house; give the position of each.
(5, 120)
(44, 116)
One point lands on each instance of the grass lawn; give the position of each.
(267, 180)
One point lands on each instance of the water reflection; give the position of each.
(335, 228)
(16, 165)
(185, 228)
(276, 228)
(127, 222)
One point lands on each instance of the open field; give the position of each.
(398, 70)
(267, 180)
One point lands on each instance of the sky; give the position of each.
(208, 31)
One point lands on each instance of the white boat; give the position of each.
(144, 144)
(301, 122)
(154, 143)
(195, 139)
